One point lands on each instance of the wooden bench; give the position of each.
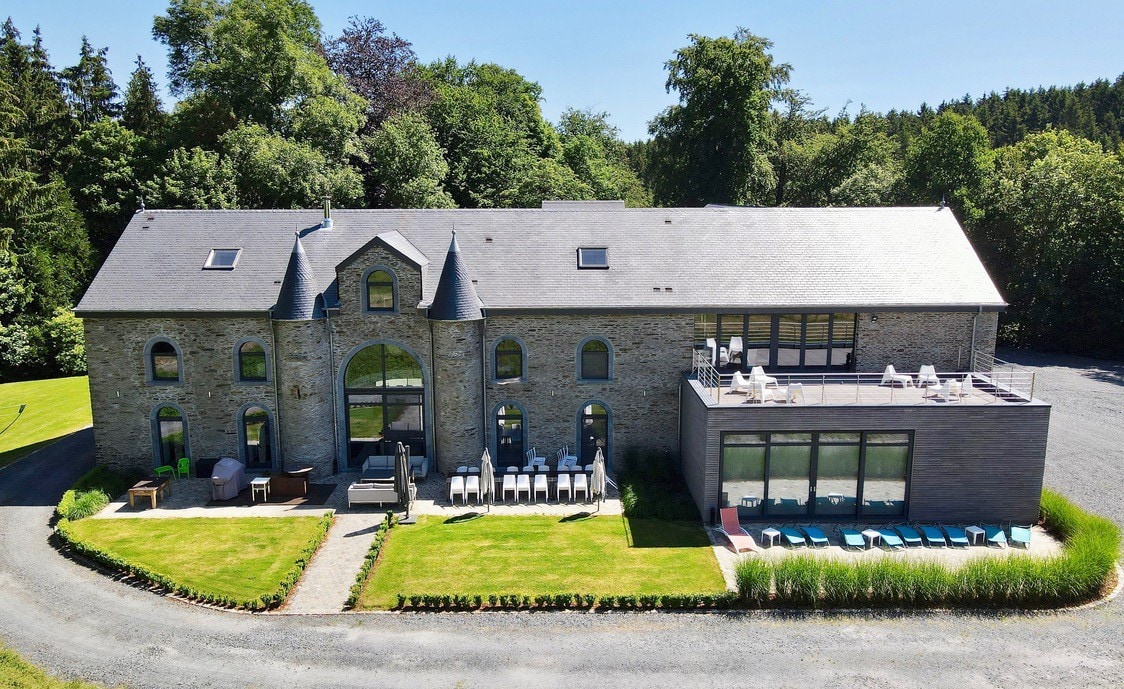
(152, 488)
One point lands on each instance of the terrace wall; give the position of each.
(981, 463)
(911, 339)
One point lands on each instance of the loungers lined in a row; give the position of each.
(898, 537)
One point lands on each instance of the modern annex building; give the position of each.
(286, 338)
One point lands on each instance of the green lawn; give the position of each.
(241, 558)
(17, 673)
(55, 408)
(543, 555)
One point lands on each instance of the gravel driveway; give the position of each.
(77, 623)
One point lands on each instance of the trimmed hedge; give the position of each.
(567, 601)
(369, 560)
(1080, 574)
(170, 585)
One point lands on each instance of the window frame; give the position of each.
(157, 444)
(609, 354)
(209, 264)
(237, 362)
(150, 362)
(365, 289)
(240, 423)
(583, 264)
(522, 377)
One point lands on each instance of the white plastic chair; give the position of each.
(472, 485)
(534, 458)
(462, 470)
(890, 376)
(719, 356)
(456, 487)
(736, 348)
(541, 486)
(564, 485)
(757, 374)
(740, 382)
(927, 375)
(966, 388)
(523, 485)
(581, 483)
(509, 484)
(542, 468)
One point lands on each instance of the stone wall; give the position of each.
(650, 354)
(305, 414)
(909, 340)
(458, 394)
(210, 396)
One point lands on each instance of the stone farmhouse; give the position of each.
(310, 338)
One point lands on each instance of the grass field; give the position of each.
(241, 558)
(17, 673)
(55, 408)
(542, 555)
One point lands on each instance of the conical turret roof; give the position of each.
(298, 300)
(455, 298)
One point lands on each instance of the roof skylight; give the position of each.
(222, 259)
(593, 257)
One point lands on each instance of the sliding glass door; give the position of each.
(790, 476)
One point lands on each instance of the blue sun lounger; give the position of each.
(890, 539)
(933, 536)
(995, 535)
(792, 536)
(956, 536)
(816, 536)
(909, 535)
(1020, 535)
(852, 539)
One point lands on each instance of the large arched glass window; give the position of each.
(257, 446)
(170, 430)
(511, 435)
(385, 403)
(380, 291)
(164, 362)
(508, 364)
(593, 432)
(252, 366)
(595, 360)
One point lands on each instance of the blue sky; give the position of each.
(609, 55)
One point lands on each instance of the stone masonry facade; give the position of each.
(305, 395)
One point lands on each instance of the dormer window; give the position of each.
(381, 290)
(593, 257)
(222, 259)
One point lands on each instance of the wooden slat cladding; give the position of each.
(970, 463)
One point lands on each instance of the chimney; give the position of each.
(327, 222)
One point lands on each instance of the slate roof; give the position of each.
(689, 259)
(297, 300)
(455, 299)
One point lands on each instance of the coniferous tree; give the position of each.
(90, 88)
(143, 112)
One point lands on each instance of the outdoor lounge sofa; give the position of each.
(419, 465)
(372, 493)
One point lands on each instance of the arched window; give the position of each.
(508, 363)
(382, 289)
(163, 362)
(595, 359)
(252, 366)
(385, 403)
(511, 434)
(169, 430)
(257, 445)
(594, 432)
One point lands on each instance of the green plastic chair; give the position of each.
(166, 469)
(184, 468)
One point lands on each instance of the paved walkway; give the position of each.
(326, 582)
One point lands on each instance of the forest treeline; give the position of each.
(271, 112)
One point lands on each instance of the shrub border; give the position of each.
(169, 585)
(369, 561)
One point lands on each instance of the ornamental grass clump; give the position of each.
(846, 585)
(754, 580)
(797, 581)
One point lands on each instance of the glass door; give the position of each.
(837, 473)
(789, 474)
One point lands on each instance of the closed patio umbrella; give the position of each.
(487, 476)
(402, 475)
(597, 484)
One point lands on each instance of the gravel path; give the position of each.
(326, 582)
(76, 622)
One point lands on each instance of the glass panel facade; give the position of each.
(385, 403)
(815, 341)
(759, 340)
(836, 474)
(843, 341)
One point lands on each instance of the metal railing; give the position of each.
(999, 386)
(1012, 380)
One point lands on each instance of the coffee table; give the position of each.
(152, 488)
